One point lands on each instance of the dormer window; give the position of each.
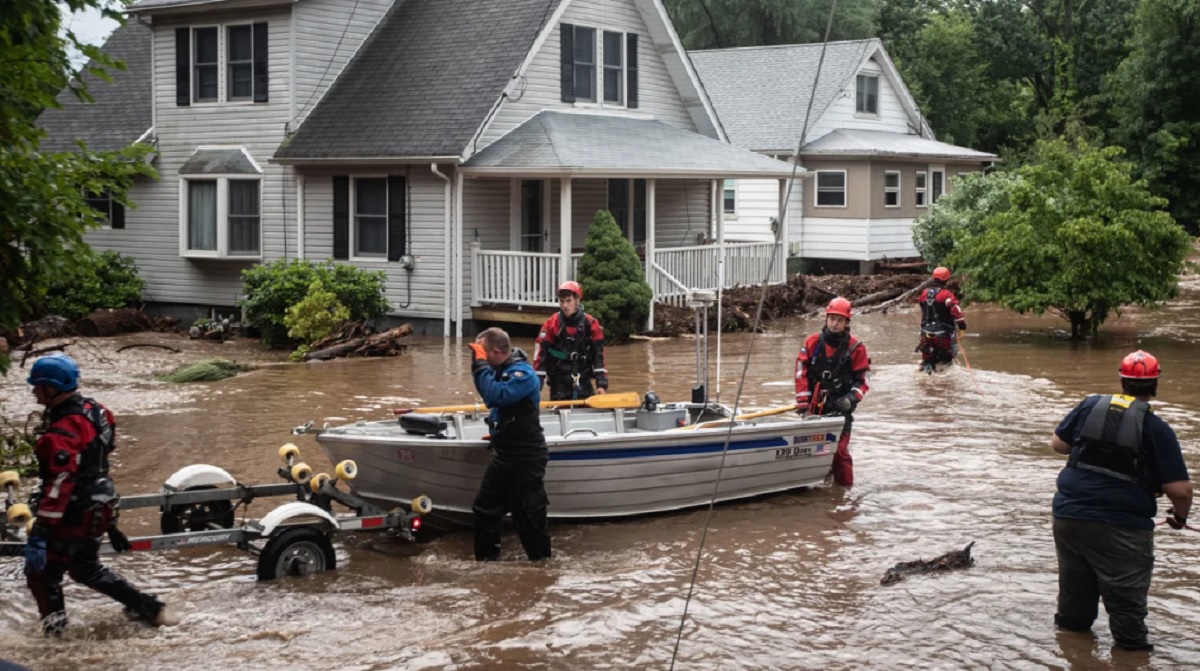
(215, 64)
(867, 99)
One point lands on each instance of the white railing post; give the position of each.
(476, 276)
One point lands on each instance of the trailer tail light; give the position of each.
(416, 524)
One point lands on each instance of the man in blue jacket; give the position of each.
(1120, 457)
(514, 479)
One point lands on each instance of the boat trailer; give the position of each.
(198, 505)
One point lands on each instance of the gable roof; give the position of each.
(121, 112)
(596, 144)
(423, 83)
(762, 93)
(853, 142)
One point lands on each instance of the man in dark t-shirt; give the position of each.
(1120, 457)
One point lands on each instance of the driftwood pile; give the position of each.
(947, 562)
(357, 339)
(800, 296)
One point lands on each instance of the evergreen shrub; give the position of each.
(614, 282)
(271, 288)
(95, 281)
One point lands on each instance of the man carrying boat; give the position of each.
(831, 379)
(570, 349)
(1120, 457)
(941, 321)
(514, 479)
(77, 503)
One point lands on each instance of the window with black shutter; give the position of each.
(239, 62)
(604, 72)
(183, 66)
(203, 54)
(205, 65)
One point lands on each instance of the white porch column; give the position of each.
(564, 231)
(781, 236)
(720, 219)
(651, 185)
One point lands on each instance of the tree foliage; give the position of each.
(614, 282)
(315, 317)
(104, 280)
(718, 24)
(271, 289)
(43, 211)
(1071, 232)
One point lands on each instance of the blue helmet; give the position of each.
(58, 371)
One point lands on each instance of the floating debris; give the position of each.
(947, 562)
(207, 370)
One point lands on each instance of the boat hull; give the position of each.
(592, 474)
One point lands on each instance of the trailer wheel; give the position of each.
(299, 550)
(196, 516)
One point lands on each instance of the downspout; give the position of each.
(299, 215)
(458, 252)
(446, 250)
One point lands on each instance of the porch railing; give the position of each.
(531, 278)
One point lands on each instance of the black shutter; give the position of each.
(118, 215)
(631, 84)
(567, 62)
(396, 211)
(341, 217)
(260, 62)
(183, 66)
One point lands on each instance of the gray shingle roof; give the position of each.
(122, 110)
(761, 93)
(846, 142)
(566, 142)
(424, 81)
(148, 6)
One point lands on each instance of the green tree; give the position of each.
(1071, 232)
(614, 283)
(43, 213)
(1157, 90)
(718, 24)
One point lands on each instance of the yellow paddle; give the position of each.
(752, 415)
(627, 399)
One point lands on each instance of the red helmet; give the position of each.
(1140, 365)
(573, 287)
(838, 306)
(941, 274)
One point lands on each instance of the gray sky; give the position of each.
(89, 27)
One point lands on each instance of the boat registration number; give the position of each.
(793, 452)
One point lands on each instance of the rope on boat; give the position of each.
(779, 229)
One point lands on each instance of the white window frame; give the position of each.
(845, 189)
(729, 185)
(892, 189)
(222, 65)
(864, 112)
(602, 66)
(108, 215)
(222, 250)
(921, 193)
(387, 205)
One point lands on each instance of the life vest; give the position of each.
(572, 352)
(833, 373)
(1111, 440)
(93, 502)
(935, 314)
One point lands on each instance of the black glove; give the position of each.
(120, 542)
(847, 403)
(1175, 521)
(962, 325)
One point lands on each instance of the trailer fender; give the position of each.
(198, 475)
(292, 510)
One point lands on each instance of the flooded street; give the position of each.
(788, 581)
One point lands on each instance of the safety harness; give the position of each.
(573, 348)
(93, 503)
(1112, 438)
(935, 315)
(830, 376)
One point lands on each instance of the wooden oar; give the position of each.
(627, 399)
(752, 415)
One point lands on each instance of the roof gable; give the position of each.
(121, 112)
(763, 94)
(423, 83)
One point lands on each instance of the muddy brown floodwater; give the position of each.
(788, 581)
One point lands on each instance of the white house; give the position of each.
(874, 164)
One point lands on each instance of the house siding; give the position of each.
(657, 93)
(152, 233)
(858, 190)
(684, 212)
(840, 114)
(328, 34)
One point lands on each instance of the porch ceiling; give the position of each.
(594, 145)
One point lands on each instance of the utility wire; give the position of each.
(750, 348)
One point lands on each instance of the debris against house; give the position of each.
(110, 322)
(800, 296)
(357, 339)
(947, 562)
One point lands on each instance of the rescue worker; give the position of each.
(570, 349)
(76, 503)
(831, 379)
(941, 320)
(1120, 457)
(514, 479)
